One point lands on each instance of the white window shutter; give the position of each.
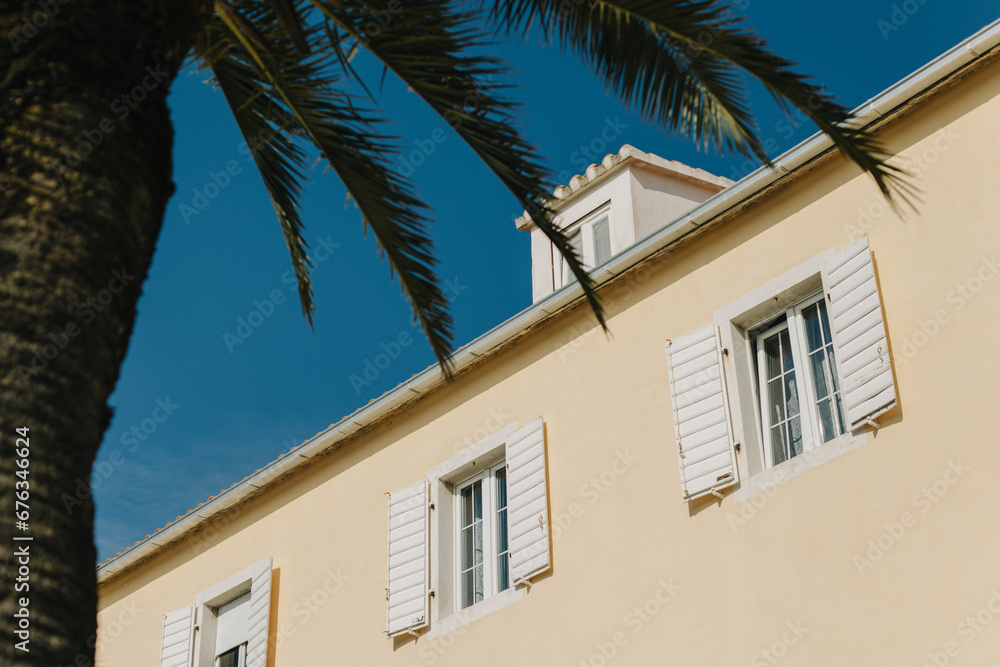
(406, 593)
(260, 614)
(705, 451)
(527, 503)
(178, 638)
(859, 334)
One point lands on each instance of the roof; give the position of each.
(877, 112)
(613, 163)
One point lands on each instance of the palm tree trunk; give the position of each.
(85, 146)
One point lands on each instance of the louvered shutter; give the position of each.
(178, 638)
(406, 593)
(527, 502)
(260, 615)
(702, 427)
(859, 334)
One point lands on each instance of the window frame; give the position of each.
(737, 322)
(243, 633)
(446, 614)
(793, 321)
(491, 528)
(241, 655)
(207, 605)
(585, 228)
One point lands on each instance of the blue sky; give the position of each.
(195, 411)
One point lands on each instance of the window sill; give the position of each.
(475, 612)
(804, 462)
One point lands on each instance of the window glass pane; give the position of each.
(791, 395)
(501, 476)
(503, 570)
(782, 402)
(776, 402)
(503, 575)
(778, 445)
(467, 541)
(468, 589)
(827, 429)
(821, 305)
(823, 366)
(833, 365)
(786, 351)
(771, 353)
(795, 436)
(477, 501)
(467, 506)
(837, 394)
(814, 337)
(821, 374)
(471, 544)
(477, 542)
(602, 241)
(479, 594)
(841, 417)
(230, 658)
(794, 421)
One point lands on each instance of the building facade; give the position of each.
(783, 452)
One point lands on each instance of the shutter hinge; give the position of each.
(430, 505)
(736, 446)
(725, 351)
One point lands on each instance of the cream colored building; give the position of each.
(783, 453)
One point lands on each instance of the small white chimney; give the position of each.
(611, 206)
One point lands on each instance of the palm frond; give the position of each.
(677, 61)
(433, 47)
(265, 128)
(288, 17)
(300, 86)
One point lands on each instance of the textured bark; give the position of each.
(85, 178)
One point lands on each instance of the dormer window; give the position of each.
(590, 237)
(646, 193)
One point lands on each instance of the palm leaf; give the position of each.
(433, 46)
(301, 87)
(676, 62)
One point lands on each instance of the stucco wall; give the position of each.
(793, 571)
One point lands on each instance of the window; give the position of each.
(801, 402)
(464, 539)
(227, 626)
(591, 239)
(235, 657)
(232, 629)
(782, 378)
(481, 524)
